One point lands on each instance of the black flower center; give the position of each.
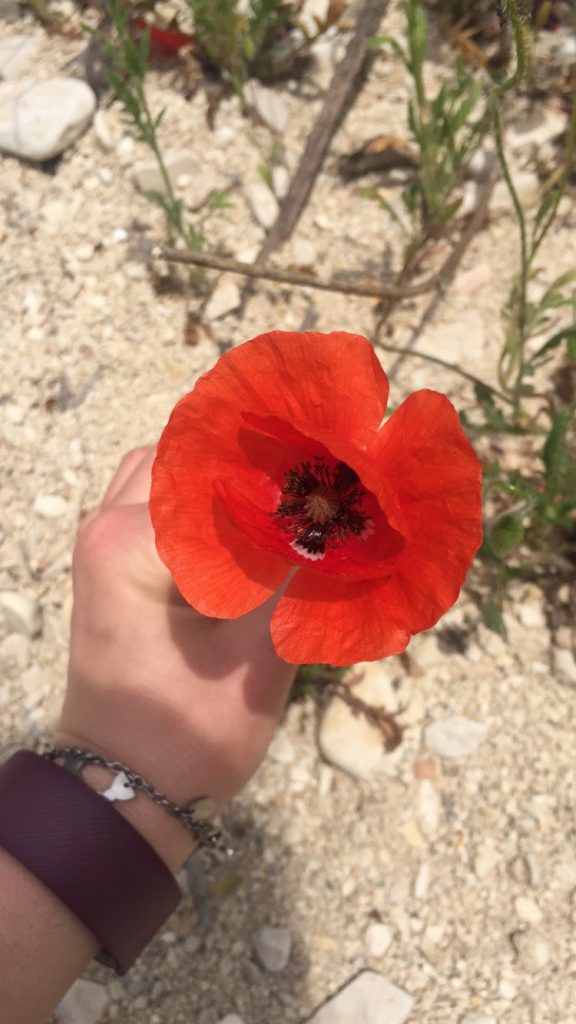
(322, 507)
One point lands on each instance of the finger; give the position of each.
(127, 467)
(135, 487)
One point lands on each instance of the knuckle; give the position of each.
(97, 536)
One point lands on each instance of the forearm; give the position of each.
(43, 945)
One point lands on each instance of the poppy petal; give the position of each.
(332, 382)
(215, 566)
(322, 619)
(431, 493)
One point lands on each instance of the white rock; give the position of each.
(21, 614)
(231, 1018)
(16, 648)
(566, 52)
(507, 989)
(39, 120)
(378, 939)
(486, 858)
(422, 881)
(532, 951)
(105, 134)
(34, 679)
(456, 736)
(270, 105)
(367, 999)
(84, 1003)
(304, 253)
(428, 807)
(146, 173)
(528, 910)
(280, 180)
(312, 14)
(564, 666)
(263, 203)
(327, 51)
(477, 1017)
(325, 780)
(281, 749)
(16, 53)
(480, 164)
(272, 947)
(527, 185)
(50, 506)
(470, 197)
(225, 298)
(531, 615)
(536, 130)
(350, 742)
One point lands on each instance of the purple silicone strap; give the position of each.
(88, 855)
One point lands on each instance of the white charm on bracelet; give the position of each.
(120, 789)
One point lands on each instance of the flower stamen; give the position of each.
(322, 507)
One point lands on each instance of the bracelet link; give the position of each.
(194, 816)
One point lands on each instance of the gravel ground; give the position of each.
(468, 862)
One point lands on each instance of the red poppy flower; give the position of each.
(279, 466)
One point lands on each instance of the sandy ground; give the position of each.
(92, 362)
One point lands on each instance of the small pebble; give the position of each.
(84, 1003)
(422, 881)
(272, 947)
(378, 939)
(281, 749)
(428, 807)
(485, 860)
(368, 998)
(528, 910)
(457, 736)
(507, 990)
(231, 1018)
(532, 950)
(50, 506)
(263, 204)
(225, 298)
(22, 615)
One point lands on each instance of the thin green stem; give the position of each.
(519, 46)
(514, 349)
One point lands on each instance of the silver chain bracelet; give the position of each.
(125, 783)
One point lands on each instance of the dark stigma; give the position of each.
(321, 507)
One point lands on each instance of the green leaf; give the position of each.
(377, 41)
(568, 334)
(491, 613)
(555, 454)
(505, 534)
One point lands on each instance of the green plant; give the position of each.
(129, 60)
(530, 512)
(239, 42)
(443, 129)
(533, 511)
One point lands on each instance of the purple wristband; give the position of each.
(88, 855)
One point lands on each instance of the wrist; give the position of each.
(165, 833)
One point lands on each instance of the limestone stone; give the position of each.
(39, 120)
(369, 998)
(272, 947)
(16, 53)
(456, 736)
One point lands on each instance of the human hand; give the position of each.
(188, 702)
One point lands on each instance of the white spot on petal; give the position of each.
(314, 556)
